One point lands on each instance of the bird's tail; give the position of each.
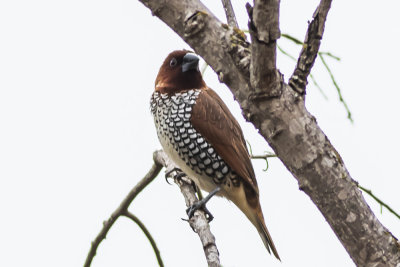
(249, 204)
(263, 232)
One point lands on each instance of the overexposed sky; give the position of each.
(76, 134)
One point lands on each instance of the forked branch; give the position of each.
(122, 210)
(198, 222)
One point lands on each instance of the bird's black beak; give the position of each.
(190, 62)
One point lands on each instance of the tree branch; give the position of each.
(265, 79)
(122, 210)
(148, 235)
(199, 221)
(230, 13)
(308, 54)
(291, 131)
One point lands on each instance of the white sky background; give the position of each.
(76, 135)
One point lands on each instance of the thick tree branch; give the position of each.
(309, 52)
(122, 210)
(199, 221)
(230, 13)
(291, 131)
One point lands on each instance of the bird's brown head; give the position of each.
(180, 71)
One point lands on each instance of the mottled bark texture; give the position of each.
(278, 112)
(265, 79)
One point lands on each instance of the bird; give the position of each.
(198, 132)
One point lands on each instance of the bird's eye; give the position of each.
(173, 62)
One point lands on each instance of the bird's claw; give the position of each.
(178, 176)
(166, 179)
(199, 205)
(202, 204)
(209, 216)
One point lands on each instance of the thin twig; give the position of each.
(250, 148)
(309, 51)
(337, 88)
(230, 13)
(318, 87)
(286, 53)
(121, 210)
(329, 54)
(291, 38)
(148, 235)
(264, 157)
(199, 221)
(369, 192)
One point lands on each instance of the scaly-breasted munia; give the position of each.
(198, 132)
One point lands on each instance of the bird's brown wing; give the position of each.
(212, 118)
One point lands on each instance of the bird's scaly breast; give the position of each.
(180, 139)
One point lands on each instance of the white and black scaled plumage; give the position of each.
(179, 138)
(198, 132)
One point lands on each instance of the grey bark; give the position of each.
(265, 79)
(278, 112)
(230, 14)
